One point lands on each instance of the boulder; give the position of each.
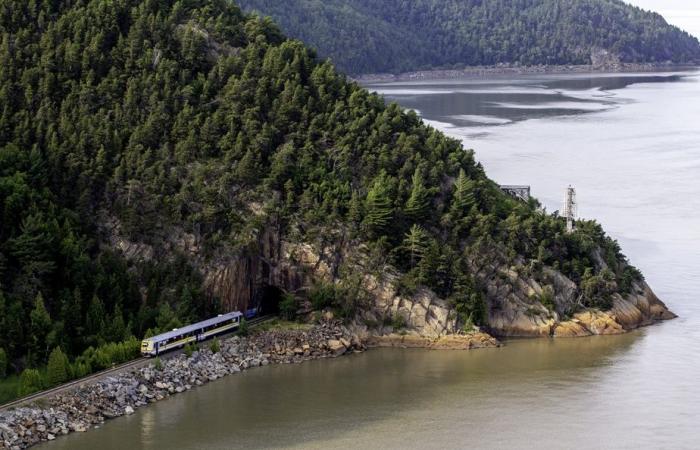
(336, 347)
(599, 323)
(570, 328)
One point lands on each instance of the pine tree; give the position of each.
(95, 321)
(166, 319)
(469, 301)
(378, 209)
(415, 243)
(248, 168)
(419, 200)
(29, 382)
(57, 370)
(116, 330)
(463, 198)
(40, 326)
(72, 317)
(355, 209)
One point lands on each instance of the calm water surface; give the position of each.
(631, 147)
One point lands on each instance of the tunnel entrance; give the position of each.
(270, 298)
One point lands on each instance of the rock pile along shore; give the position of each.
(89, 405)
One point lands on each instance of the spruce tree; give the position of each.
(40, 326)
(378, 209)
(419, 200)
(57, 370)
(29, 382)
(463, 198)
(116, 330)
(95, 321)
(72, 317)
(355, 209)
(248, 168)
(415, 243)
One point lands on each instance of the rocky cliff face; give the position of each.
(514, 297)
(513, 293)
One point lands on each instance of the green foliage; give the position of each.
(463, 198)
(30, 381)
(547, 298)
(243, 328)
(215, 346)
(3, 363)
(630, 275)
(415, 244)
(109, 354)
(189, 349)
(398, 322)
(9, 388)
(57, 370)
(369, 36)
(288, 306)
(323, 295)
(40, 322)
(469, 302)
(160, 125)
(95, 321)
(418, 204)
(598, 289)
(378, 208)
(167, 319)
(158, 364)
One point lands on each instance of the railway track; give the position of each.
(112, 370)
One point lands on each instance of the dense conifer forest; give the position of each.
(147, 118)
(370, 36)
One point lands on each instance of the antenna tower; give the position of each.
(570, 208)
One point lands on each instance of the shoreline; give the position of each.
(89, 405)
(510, 70)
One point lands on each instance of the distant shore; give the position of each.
(507, 69)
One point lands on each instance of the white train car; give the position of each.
(200, 331)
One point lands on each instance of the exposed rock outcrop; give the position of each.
(522, 300)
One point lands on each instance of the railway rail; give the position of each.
(112, 370)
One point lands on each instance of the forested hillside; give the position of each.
(143, 142)
(370, 36)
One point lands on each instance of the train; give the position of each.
(197, 332)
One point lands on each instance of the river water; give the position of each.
(630, 144)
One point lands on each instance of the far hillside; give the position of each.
(370, 36)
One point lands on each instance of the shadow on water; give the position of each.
(609, 83)
(291, 405)
(467, 103)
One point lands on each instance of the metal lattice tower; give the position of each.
(570, 208)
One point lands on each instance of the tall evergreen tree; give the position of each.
(57, 370)
(95, 321)
(29, 382)
(463, 197)
(378, 207)
(40, 327)
(419, 201)
(415, 244)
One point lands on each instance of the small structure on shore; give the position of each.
(521, 192)
(570, 208)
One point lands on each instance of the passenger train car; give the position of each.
(196, 332)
